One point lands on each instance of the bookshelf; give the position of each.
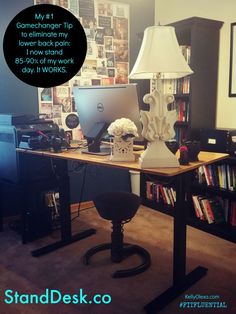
(224, 224)
(200, 36)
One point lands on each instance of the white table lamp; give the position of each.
(159, 58)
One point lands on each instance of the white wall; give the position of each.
(167, 11)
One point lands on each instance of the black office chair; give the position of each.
(120, 208)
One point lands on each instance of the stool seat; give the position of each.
(119, 207)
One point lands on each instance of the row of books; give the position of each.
(160, 193)
(186, 51)
(180, 134)
(177, 86)
(214, 210)
(210, 209)
(182, 85)
(182, 109)
(218, 175)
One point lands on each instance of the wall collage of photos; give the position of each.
(106, 25)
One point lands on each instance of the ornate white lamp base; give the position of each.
(122, 150)
(157, 155)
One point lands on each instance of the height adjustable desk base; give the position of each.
(57, 245)
(175, 291)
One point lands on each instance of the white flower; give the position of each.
(122, 127)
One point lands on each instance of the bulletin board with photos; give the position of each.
(106, 25)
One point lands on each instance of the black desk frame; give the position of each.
(181, 281)
(61, 168)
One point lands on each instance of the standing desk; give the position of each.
(181, 280)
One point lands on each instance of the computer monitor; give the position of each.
(98, 106)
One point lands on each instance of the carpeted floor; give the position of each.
(64, 271)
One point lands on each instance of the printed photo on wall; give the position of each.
(121, 50)
(89, 67)
(89, 22)
(120, 10)
(100, 51)
(61, 97)
(110, 59)
(46, 110)
(45, 94)
(121, 29)
(105, 8)
(92, 50)
(99, 36)
(108, 40)
(122, 73)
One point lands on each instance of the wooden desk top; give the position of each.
(76, 155)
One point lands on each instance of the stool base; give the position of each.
(128, 250)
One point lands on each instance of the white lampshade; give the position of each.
(160, 55)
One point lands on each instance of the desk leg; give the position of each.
(1, 219)
(65, 214)
(181, 281)
(1, 209)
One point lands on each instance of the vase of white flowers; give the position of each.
(123, 131)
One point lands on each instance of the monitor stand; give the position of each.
(104, 151)
(94, 138)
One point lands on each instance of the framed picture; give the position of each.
(232, 66)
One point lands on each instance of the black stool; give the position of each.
(120, 208)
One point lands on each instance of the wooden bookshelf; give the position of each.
(223, 229)
(202, 35)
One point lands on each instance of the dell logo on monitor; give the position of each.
(100, 107)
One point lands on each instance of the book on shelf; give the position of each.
(215, 175)
(218, 211)
(230, 170)
(198, 210)
(149, 190)
(232, 217)
(225, 203)
(186, 51)
(173, 192)
(180, 134)
(182, 109)
(214, 209)
(222, 176)
(160, 193)
(234, 177)
(171, 197)
(163, 194)
(204, 203)
(207, 175)
(200, 175)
